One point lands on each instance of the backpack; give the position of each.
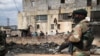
(89, 37)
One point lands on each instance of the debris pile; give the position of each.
(43, 48)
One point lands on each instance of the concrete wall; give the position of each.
(53, 4)
(95, 6)
(22, 21)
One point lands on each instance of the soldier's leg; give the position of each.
(71, 48)
(63, 46)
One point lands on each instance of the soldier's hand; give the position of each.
(66, 40)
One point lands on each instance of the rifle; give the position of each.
(68, 36)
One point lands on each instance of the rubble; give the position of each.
(33, 45)
(43, 48)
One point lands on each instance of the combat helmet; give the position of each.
(80, 11)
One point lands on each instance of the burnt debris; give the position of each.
(43, 48)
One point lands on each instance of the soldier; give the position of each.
(76, 38)
(3, 49)
(81, 36)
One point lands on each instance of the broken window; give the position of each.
(38, 26)
(41, 17)
(52, 26)
(58, 26)
(49, 7)
(62, 1)
(32, 3)
(89, 2)
(98, 2)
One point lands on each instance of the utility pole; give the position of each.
(8, 22)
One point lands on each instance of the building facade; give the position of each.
(95, 16)
(49, 15)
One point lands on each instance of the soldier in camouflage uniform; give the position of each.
(80, 36)
(77, 38)
(3, 49)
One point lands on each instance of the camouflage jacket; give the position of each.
(80, 28)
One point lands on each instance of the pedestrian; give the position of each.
(52, 33)
(36, 34)
(46, 36)
(41, 34)
(81, 37)
(56, 32)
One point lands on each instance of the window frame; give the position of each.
(52, 26)
(98, 2)
(89, 2)
(64, 16)
(58, 26)
(41, 17)
(32, 3)
(37, 26)
(62, 1)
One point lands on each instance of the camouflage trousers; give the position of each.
(81, 53)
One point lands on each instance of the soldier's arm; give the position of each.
(76, 35)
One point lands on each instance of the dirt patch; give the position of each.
(36, 40)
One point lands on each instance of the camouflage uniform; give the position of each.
(80, 37)
(77, 38)
(3, 49)
(80, 28)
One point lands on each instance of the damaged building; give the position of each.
(49, 16)
(95, 16)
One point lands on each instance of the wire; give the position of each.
(16, 5)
